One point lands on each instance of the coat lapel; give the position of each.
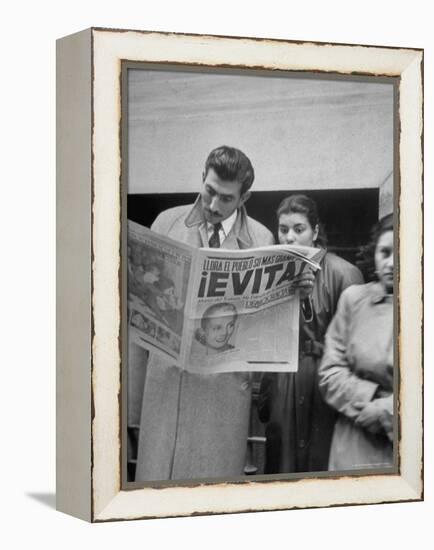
(239, 236)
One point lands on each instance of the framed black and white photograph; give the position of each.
(251, 227)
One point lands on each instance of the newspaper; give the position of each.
(215, 310)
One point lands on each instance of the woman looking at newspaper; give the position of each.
(356, 373)
(299, 422)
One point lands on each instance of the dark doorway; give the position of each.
(346, 214)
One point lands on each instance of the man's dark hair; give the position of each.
(231, 164)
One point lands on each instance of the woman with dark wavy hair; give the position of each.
(356, 373)
(299, 422)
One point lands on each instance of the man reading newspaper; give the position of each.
(196, 425)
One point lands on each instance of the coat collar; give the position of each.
(320, 255)
(378, 295)
(240, 229)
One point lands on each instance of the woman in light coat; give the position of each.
(356, 373)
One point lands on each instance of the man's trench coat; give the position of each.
(192, 425)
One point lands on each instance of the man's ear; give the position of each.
(245, 197)
(203, 176)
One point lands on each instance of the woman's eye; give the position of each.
(385, 252)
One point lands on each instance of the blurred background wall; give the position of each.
(300, 133)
